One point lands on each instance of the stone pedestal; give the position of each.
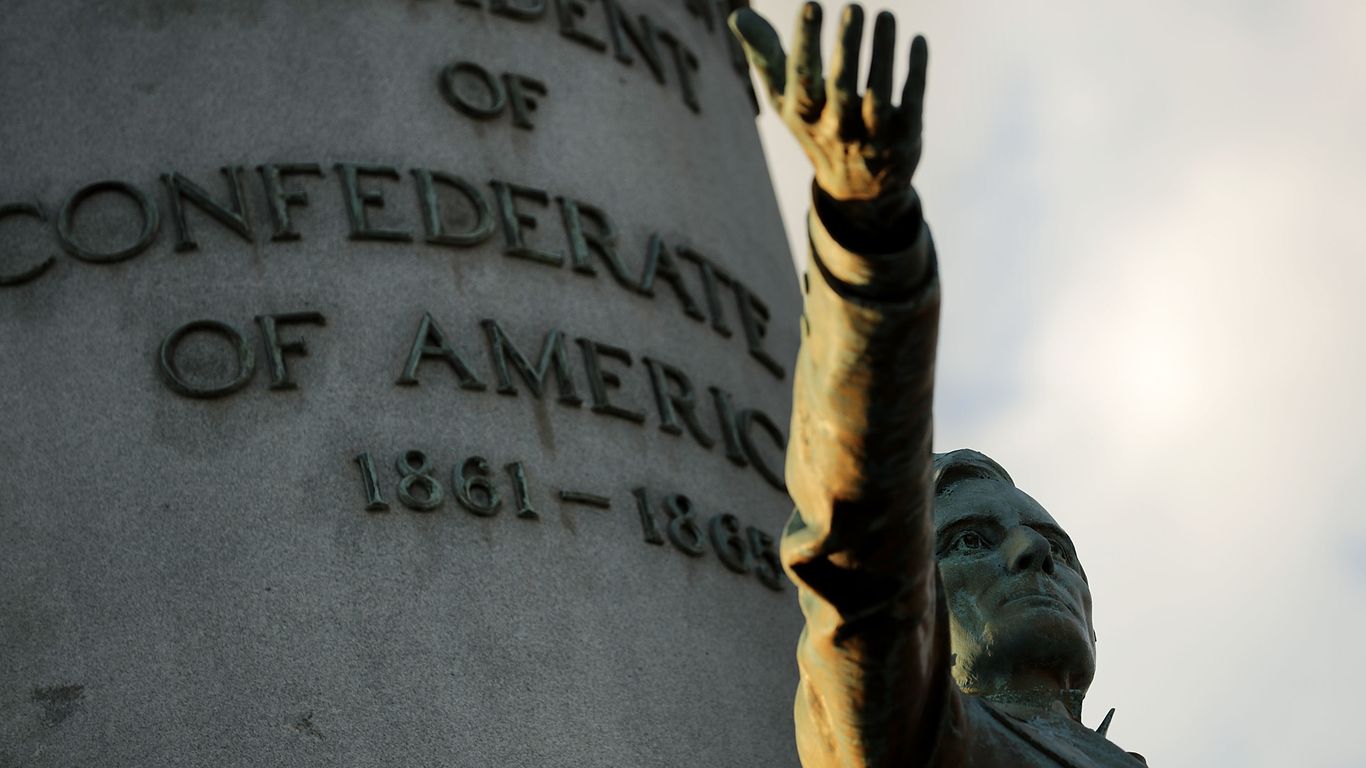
(389, 383)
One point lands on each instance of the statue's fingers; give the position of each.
(805, 89)
(877, 99)
(764, 51)
(841, 90)
(913, 94)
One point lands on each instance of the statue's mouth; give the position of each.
(1041, 598)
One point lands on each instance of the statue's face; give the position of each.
(1018, 603)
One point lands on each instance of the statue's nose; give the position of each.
(1026, 548)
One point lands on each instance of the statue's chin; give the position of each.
(1045, 638)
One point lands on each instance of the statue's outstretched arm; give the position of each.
(874, 656)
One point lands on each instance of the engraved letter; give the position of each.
(684, 60)
(357, 200)
(175, 379)
(30, 273)
(514, 221)
(599, 381)
(518, 88)
(643, 38)
(604, 241)
(748, 418)
(66, 217)
(478, 232)
(754, 319)
(530, 11)
(569, 12)
(680, 402)
(275, 349)
(711, 277)
(552, 353)
(730, 428)
(494, 99)
(431, 342)
(660, 263)
(235, 218)
(280, 199)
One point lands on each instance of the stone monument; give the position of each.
(389, 383)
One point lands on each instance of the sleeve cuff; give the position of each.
(889, 269)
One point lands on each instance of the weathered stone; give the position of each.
(385, 506)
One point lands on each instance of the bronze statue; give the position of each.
(948, 617)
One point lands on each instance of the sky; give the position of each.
(1149, 225)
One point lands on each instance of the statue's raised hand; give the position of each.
(864, 149)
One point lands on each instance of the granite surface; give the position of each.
(189, 580)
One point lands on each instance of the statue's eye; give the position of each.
(969, 541)
(1057, 550)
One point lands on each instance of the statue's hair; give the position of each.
(965, 463)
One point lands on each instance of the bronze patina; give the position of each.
(948, 618)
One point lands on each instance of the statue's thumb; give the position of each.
(760, 42)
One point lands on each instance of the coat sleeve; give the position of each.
(874, 655)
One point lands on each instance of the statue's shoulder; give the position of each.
(994, 736)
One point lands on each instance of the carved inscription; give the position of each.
(601, 26)
(471, 484)
(148, 226)
(611, 380)
(747, 550)
(749, 437)
(524, 222)
(239, 349)
(419, 484)
(439, 210)
(476, 93)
